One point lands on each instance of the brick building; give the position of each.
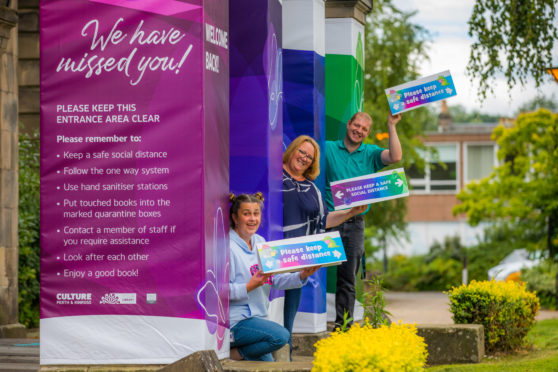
(468, 153)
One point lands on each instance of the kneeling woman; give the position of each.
(254, 337)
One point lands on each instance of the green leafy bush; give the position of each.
(505, 309)
(403, 272)
(498, 242)
(28, 230)
(440, 274)
(441, 268)
(416, 274)
(375, 303)
(542, 280)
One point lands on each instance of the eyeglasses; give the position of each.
(306, 155)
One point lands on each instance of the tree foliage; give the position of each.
(394, 49)
(460, 114)
(513, 37)
(523, 190)
(539, 102)
(28, 230)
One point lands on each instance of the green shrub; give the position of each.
(505, 309)
(441, 268)
(417, 274)
(542, 280)
(440, 274)
(403, 272)
(28, 230)
(375, 303)
(498, 242)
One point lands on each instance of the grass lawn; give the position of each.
(543, 357)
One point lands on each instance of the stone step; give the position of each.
(20, 342)
(447, 344)
(21, 351)
(299, 364)
(19, 367)
(19, 359)
(19, 354)
(303, 343)
(106, 368)
(453, 343)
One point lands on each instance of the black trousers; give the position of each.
(352, 235)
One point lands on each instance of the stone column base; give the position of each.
(13, 331)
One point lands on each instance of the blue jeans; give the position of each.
(292, 302)
(256, 338)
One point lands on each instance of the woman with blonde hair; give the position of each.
(304, 210)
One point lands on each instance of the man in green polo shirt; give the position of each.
(348, 158)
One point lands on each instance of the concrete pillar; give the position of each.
(256, 108)
(167, 297)
(344, 81)
(304, 113)
(345, 21)
(256, 114)
(304, 69)
(8, 170)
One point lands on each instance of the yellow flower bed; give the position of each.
(505, 309)
(395, 348)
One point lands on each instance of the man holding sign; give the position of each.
(348, 158)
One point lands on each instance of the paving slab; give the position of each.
(418, 307)
(11, 367)
(19, 354)
(430, 308)
(299, 364)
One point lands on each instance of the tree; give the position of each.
(539, 102)
(461, 115)
(28, 230)
(523, 190)
(394, 49)
(514, 37)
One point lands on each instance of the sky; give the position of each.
(447, 23)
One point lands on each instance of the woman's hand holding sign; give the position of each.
(307, 271)
(257, 280)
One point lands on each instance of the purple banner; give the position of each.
(134, 171)
(256, 108)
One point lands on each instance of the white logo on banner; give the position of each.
(73, 298)
(118, 299)
(151, 298)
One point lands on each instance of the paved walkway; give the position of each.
(430, 308)
(409, 307)
(21, 355)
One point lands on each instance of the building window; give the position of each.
(440, 173)
(480, 159)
